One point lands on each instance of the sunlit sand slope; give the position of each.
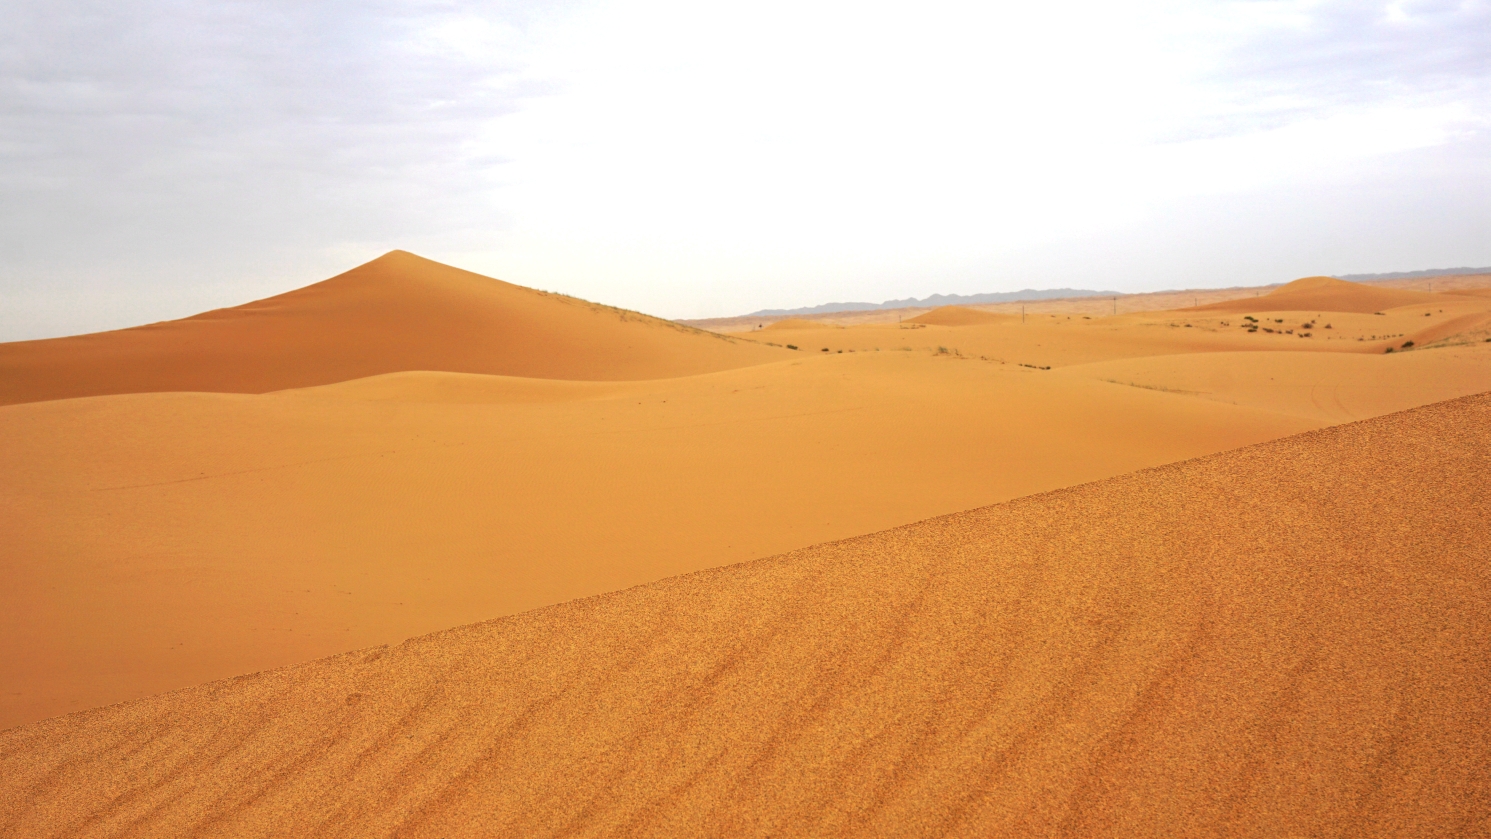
(156, 541)
(1324, 294)
(398, 312)
(957, 316)
(1284, 640)
(1330, 387)
(796, 323)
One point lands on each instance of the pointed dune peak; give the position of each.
(1209, 648)
(399, 312)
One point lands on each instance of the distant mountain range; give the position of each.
(941, 300)
(1414, 275)
(1057, 293)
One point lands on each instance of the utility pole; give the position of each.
(1022, 312)
(1115, 305)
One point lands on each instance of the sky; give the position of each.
(164, 157)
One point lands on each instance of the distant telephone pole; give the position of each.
(1115, 305)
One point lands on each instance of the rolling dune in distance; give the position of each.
(957, 316)
(797, 323)
(1286, 640)
(399, 312)
(1325, 294)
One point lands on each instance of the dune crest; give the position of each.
(399, 312)
(1287, 639)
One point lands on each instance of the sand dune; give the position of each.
(1468, 326)
(398, 312)
(1285, 640)
(957, 316)
(1324, 294)
(1225, 645)
(1325, 387)
(161, 540)
(797, 323)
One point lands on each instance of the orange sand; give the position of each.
(1285, 640)
(1326, 294)
(797, 323)
(957, 316)
(398, 312)
(159, 540)
(1340, 317)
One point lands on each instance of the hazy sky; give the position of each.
(688, 159)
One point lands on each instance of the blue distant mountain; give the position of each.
(941, 300)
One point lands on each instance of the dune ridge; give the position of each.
(1285, 639)
(399, 312)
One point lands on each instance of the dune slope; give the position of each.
(797, 323)
(156, 541)
(1286, 639)
(957, 316)
(1323, 294)
(399, 312)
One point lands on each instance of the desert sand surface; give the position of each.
(955, 316)
(796, 323)
(1287, 639)
(1326, 294)
(398, 312)
(159, 540)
